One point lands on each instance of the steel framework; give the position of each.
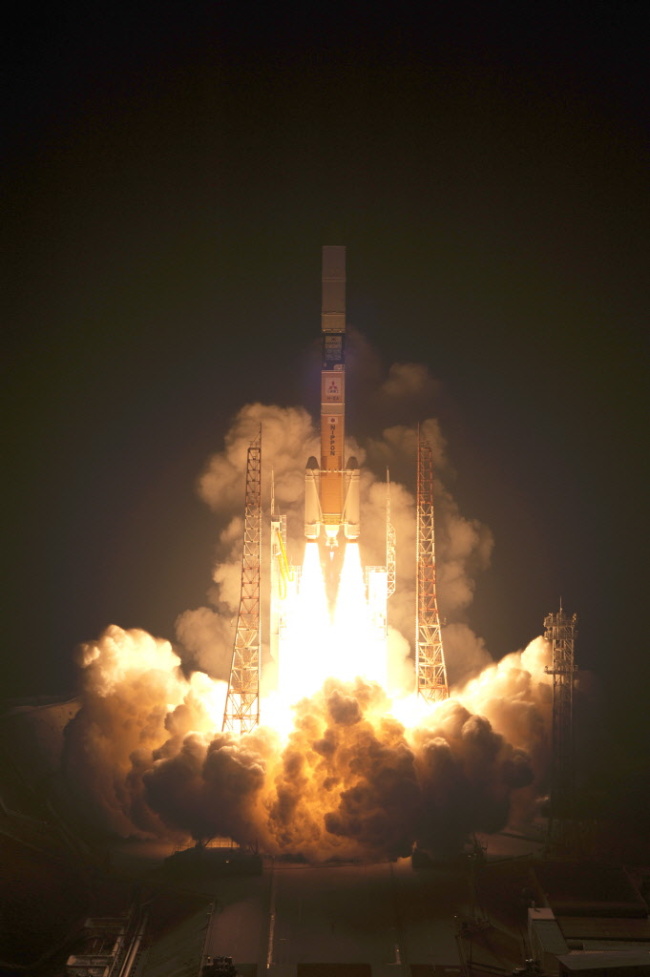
(431, 673)
(560, 632)
(242, 710)
(390, 543)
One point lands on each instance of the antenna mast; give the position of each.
(390, 543)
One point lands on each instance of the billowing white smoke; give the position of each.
(145, 755)
(134, 699)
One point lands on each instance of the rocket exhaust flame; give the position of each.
(328, 634)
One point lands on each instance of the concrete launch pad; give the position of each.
(388, 918)
(381, 916)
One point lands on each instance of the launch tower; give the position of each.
(431, 673)
(560, 632)
(391, 544)
(242, 711)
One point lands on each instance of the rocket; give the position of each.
(332, 489)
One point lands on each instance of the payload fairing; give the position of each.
(332, 490)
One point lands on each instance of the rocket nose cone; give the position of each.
(312, 463)
(352, 462)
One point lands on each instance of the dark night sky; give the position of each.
(171, 174)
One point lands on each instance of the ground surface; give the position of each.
(388, 918)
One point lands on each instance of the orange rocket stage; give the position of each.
(332, 490)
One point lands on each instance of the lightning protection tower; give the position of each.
(242, 711)
(430, 669)
(560, 632)
(390, 543)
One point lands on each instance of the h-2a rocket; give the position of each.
(332, 489)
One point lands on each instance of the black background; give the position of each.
(171, 172)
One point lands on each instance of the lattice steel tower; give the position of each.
(560, 632)
(390, 544)
(430, 668)
(242, 711)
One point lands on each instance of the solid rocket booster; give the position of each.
(313, 516)
(332, 491)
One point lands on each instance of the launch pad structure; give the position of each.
(431, 673)
(242, 711)
(332, 524)
(560, 632)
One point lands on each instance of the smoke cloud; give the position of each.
(145, 755)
